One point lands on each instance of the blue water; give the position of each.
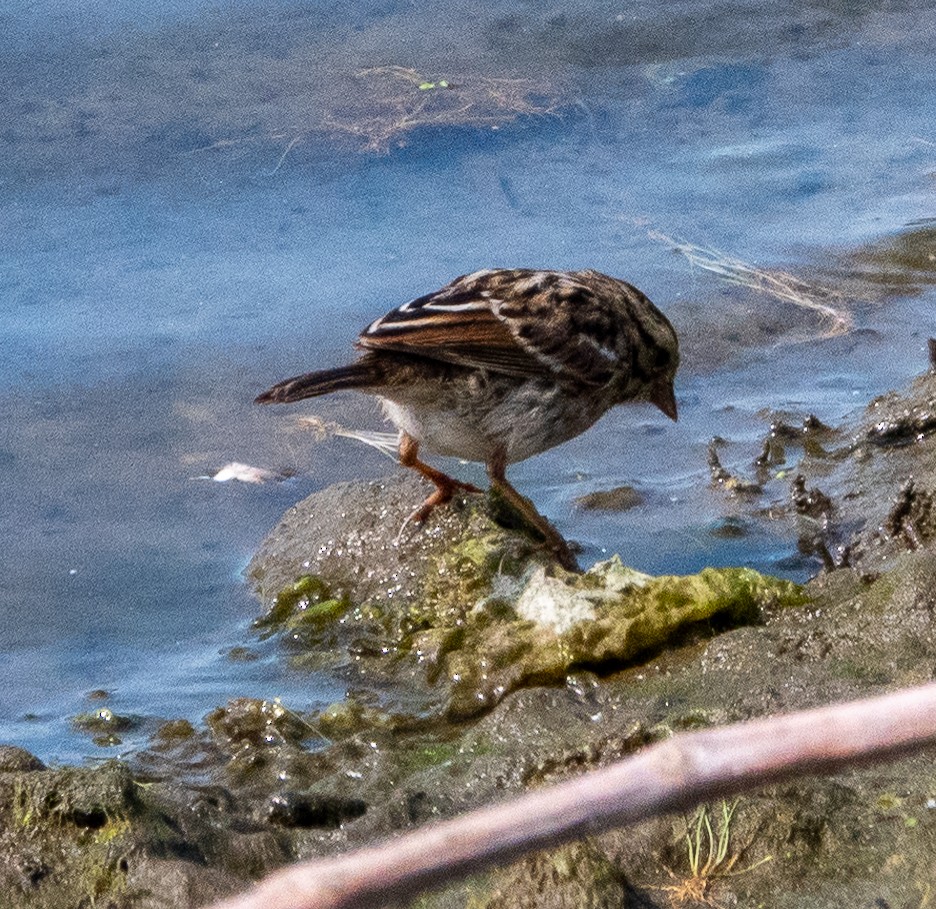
(175, 235)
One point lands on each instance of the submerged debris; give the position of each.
(827, 304)
(772, 455)
(911, 517)
(812, 503)
(806, 511)
(244, 473)
(723, 478)
(389, 103)
(396, 100)
(816, 508)
(904, 262)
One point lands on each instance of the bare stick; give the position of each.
(671, 776)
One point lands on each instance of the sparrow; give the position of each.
(502, 364)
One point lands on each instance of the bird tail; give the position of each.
(362, 374)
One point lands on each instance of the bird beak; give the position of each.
(664, 398)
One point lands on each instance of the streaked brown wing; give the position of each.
(577, 324)
(579, 327)
(457, 325)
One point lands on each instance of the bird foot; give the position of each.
(446, 486)
(524, 510)
(444, 492)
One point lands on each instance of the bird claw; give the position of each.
(412, 517)
(443, 494)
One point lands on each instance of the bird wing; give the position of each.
(457, 324)
(521, 322)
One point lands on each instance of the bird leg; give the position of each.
(446, 486)
(528, 514)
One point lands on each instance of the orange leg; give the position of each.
(527, 512)
(446, 486)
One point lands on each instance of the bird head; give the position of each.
(658, 360)
(664, 396)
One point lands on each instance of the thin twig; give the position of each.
(674, 775)
(292, 144)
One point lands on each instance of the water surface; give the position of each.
(187, 216)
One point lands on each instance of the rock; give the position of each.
(477, 611)
(621, 498)
(578, 876)
(98, 836)
(18, 760)
(352, 536)
(104, 720)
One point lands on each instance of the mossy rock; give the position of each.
(101, 836)
(463, 610)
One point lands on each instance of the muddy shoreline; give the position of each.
(504, 673)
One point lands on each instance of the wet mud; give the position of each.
(442, 715)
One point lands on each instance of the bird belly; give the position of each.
(440, 430)
(477, 420)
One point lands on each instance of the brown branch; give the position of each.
(671, 776)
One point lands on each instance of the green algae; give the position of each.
(428, 755)
(471, 571)
(307, 602)
(82, 816)
(647, 614)
(617, 615)
(488, 621)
